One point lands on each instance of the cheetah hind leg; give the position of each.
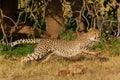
(38, 57)
(27, 59)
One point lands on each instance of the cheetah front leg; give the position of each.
(46, 58)
(91, 52)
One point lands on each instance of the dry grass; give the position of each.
(95, 69)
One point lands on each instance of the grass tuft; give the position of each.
(18, 51)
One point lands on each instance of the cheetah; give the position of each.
(47, 47)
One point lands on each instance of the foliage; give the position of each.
(97, 13)
(99, 46)
(112, 46)
(67, 35)
(103, 14)
(21, 50)
(32, 12)
(72, 25)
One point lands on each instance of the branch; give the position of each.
(1, 24)
(118, 18)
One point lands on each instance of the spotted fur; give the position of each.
(46, 47)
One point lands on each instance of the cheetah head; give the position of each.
(94, 35)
